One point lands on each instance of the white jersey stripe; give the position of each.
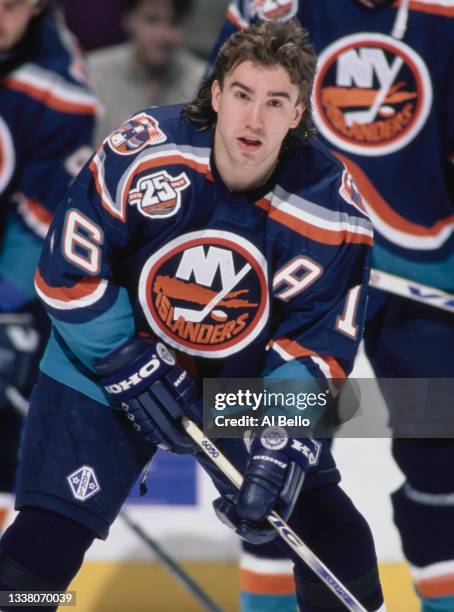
(83, 302)
(47, 80)
(406, 240)
(319, 361)
(442, 568)
(235, 15)
(265, 566)
(316, 221)
(162, 153)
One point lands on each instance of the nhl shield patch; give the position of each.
(83, 483)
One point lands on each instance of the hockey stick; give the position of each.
(412, 290)
(172, 566)
(198, 315)
(21, 405)
(368, 116)
(286, 533)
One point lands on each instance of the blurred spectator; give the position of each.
(152, 68)
(47, 119)
(95, 24)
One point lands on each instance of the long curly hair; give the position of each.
(266, 43)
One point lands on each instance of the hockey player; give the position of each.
(46, 123)
(383, 102)
(226, 232)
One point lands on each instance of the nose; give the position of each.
(255, 116)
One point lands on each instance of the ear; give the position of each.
(299, 111)
(216, 92)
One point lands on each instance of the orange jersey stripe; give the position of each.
(438, 586)
(94, 171)
(3, 515)
(310, 231)
(146, 165)
(169, 159)
(337, 371)
(38, 210)
(433, 9)
(296, 350)
(160, 161)
(51, 100)
(85, 287)
(230, 15)
(266, 584)
(383, 209)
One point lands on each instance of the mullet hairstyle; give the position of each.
(267, 44)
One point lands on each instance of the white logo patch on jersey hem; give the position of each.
(83, 483)
(372, 94)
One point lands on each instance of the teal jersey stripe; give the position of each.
(19, 257)
(437, 604)
(87, 342)
(434, 274)
(56, 364)
(291, 369)
(250, 602)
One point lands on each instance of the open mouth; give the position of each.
(249, 143)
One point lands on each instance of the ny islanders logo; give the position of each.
(372, 94)
(135, 134)
(273, 9)
(206, 293)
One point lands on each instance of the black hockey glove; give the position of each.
(19, 343)
(272, 481)
(143, 377)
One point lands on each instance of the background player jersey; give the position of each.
(382, 103)
(47, 115)
(149, 239)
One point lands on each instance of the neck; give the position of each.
(242, 177)
(239, 182)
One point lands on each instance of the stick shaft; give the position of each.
(172, 566)
(412, 290)
(286, 533)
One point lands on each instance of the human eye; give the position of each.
(240, 94)
(275, 103)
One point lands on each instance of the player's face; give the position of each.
(15, 16)
(256, 107)
(156, 32)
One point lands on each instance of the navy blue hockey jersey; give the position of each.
(149, 238)
(384, 102)
(47, 116)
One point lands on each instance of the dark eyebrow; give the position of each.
(271, 94)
